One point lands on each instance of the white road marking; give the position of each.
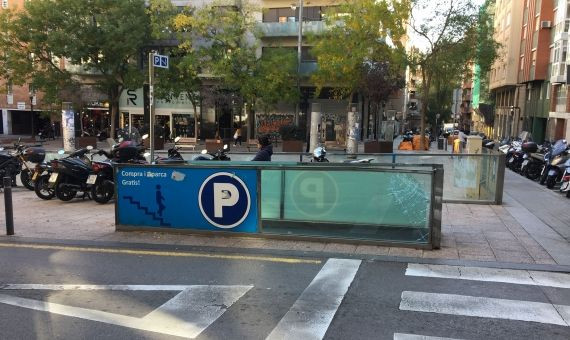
(186, 315)
(405, 336)
(522, 277)
(96, 287)
(312, 313)
(484, 307)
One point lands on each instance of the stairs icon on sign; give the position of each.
(146, 210)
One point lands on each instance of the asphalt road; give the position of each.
(74, 292)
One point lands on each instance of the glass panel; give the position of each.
(352, 204)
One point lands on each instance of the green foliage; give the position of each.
(223, 40)
(453, 38)
(104, 37)
(358, 31)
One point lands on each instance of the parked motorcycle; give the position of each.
(101, 180)
(319, 155)
(174, 156)
(557, 155)
(527, 149)
(219, 155)
(43, 173)
(565, 183)
(70, 176)
(17, 162)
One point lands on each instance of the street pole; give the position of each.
(32, 112)
(299, 55)
(151, 102)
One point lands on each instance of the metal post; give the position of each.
(32, 112)
(299, 54)
(151, 102)
(8, 206)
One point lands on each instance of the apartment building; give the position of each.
(20, 106)
(533, 72)
(280, 27)
(504, 72)
(559, 114)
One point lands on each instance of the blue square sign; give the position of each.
(160, 61)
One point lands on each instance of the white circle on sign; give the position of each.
(207, 216)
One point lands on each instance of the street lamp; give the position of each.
(436, 118)
(299, 54)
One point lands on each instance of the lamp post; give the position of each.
(299, 55)
(31, 94)
(436, 118)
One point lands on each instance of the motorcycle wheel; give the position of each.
(41, 187)
(26, 179)
(544, 176)
(102, 192)
(550, 181)
(533, 173)
(64, 193)
(568, 193)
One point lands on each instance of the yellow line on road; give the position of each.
(160, 253)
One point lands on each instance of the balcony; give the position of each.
(290, 29)
(80, 69)
(558, 74)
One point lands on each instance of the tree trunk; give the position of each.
(426, 79)
(114, 96)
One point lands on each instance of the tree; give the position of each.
(448, 37)
(103, 37)
(224, 41)
(358, 33)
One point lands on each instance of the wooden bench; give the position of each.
(187, 142)
(213, 145)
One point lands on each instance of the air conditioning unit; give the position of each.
(545, 24)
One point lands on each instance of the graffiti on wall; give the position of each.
(271, 122)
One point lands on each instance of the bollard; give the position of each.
(8, 206)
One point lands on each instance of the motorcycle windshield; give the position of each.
(559, 147)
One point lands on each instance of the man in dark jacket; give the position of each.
(265, 149)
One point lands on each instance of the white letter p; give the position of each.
(225, 195)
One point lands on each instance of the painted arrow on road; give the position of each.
(185, 315)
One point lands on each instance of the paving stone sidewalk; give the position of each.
(470, 232)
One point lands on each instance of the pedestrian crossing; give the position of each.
(485, 307)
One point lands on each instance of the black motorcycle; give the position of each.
(173, 156)
(17, 162)
(555, 156)
(43, 173)
(70, 176)
(219, 155)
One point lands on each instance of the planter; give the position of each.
(292, 146)
(158, 143)
(83, 142)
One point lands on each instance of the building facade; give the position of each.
(559, 113)
(20, 106)
(503, 76)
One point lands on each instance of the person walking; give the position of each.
(237, 135)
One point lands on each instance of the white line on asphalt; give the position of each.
(185, 315)
(405, 336)
(483, 307)
(96, 287)
(522, 277)
(312, 313)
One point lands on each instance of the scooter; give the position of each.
(174, 156)
(565, 183)
(319, 155)
(552, 158)
(70, 176)
(220, 155)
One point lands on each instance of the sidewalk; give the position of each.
(511, 233)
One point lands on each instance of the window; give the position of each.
(508, 19)
(522, 63)
(9, 87)
(533, 58)
(4, 3)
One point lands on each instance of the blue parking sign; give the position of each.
(187, 198)
(160, 61)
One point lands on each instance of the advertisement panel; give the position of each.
(188, 198)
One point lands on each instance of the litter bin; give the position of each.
(440, 143)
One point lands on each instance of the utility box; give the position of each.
(440, 143)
